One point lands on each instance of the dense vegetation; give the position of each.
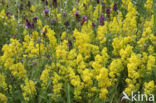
(77, 51)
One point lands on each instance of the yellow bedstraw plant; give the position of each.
(77, 51)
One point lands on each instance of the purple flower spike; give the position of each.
(69, 43)
(55, 3)
(53, 22)
(46, 11)
(29, 4)
(115, 7)
(94, 25)
(35, 19)
(108, 10)
(8, 13)
(103, 4)
(66, 23)
(64, 14)
(84, 18)
(46, 2)
(98, 1)
(21, 6)
(29, 25)
(76, 13)
(101, 20)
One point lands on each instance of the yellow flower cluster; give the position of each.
(115, 67)
(149, 6)
(149, 87)
(44, 78)
(57, 86)
(130, 23)
(3, 83)
(3, 98)
(29, 90)
(18, 71)
(103, 82)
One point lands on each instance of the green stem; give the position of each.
(68, 93)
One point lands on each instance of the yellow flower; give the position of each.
(115, 67)
(3, 15)
(149, 6)
(3, 98)
(87, 77)
(28, 89)
(102, 30)
(57, 86)
(3, 83)
(103, 79)
(59, 18)
(39, 24)
(44, 78)
(150, 62)
(125, 53)
(103, 93)
(149, 87)
(63, 36)
(35, 35)
(18, 71)
(32, 8)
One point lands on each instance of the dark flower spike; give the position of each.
(8, 13)
(35, 19)
(69, 43)
(94, 25)
(29, 24)
(45, 32)
(21, 6)
(29, 4)
(46, 2)
(32, 25)
(98, 1)
(108, 10)
(84, 18)
(55, 3)
(53, 22)
(77, 15)
(46, 11)
(64, 14)
(66, 23)
(103, 4)
(115, 7)
(101, 19)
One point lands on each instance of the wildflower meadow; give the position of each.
(77, 51)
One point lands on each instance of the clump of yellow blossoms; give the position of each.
(3, 83)
(149, 5)
(44, 78)
(149, 87)
(103, 82)
(3, 98)
(18, 71)
(29, 90)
